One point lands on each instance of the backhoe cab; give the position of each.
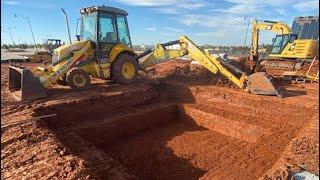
(103, 50)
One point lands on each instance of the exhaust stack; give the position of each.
(67, 24)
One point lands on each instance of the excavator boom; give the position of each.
(276, 27)
(257, 83)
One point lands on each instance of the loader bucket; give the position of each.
(260, 83)
(23, 85)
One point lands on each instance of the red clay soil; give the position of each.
(216, 132)
(30, 149)
(196, 148)
(184, 71)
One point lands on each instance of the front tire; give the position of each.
(125, 69)
(78, 79)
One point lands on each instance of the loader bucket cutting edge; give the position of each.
(23, 85)
(259, 83)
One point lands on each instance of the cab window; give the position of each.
(277, 45)
(107, 30)
(293, 37)
(88, 23)
(280, 42)
(123, 30)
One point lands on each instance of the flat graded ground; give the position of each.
(192, 126)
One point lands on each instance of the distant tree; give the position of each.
(5, 46)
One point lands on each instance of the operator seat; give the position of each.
(110, 37)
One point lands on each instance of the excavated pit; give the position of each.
(212, 137)
(162, 142)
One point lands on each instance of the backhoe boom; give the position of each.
(160, 54)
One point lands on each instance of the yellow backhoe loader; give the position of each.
(103, 50)
(287, 50)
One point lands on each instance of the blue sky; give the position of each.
(216, 22)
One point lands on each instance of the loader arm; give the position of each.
(213, 64)
(276, 27)
(50, 75)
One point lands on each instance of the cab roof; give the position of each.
(103, 8)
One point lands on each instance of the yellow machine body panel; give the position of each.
(300, 48)
(118, 49)
(65, 51)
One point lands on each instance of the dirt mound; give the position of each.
(41, 57)
(184, 71)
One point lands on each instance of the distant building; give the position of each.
(173, 47)
(306, 27)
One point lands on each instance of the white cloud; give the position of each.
(192, 5)
(167, 6)
(264, 2)
(173, 29)
(166, 10)
(219, 21)
(148, 2)
(13, 3)
(282, 12)
(241, 9)
(254, 6)
(190, 19)
(151, 29)
(307, 6)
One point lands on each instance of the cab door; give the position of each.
(107, 35)
(123, 30)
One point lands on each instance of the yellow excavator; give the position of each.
(103, 50)
(287, 50)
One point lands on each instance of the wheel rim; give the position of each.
(128, 70)
(79, 80)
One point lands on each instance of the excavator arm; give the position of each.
(257, 83)
(276, 27)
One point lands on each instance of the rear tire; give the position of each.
(125, 69)
(78, 79)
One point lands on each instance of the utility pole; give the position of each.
(9, 30)
(245, 39)
(34, 40)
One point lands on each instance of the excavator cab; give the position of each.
(281, 41)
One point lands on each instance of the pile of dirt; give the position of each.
(185, 71)
(41, 57)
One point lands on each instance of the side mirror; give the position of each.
(78, 37)
(273, 39)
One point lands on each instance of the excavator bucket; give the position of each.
(260, 83)
(23, 85)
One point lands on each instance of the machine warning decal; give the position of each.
(269, 27)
